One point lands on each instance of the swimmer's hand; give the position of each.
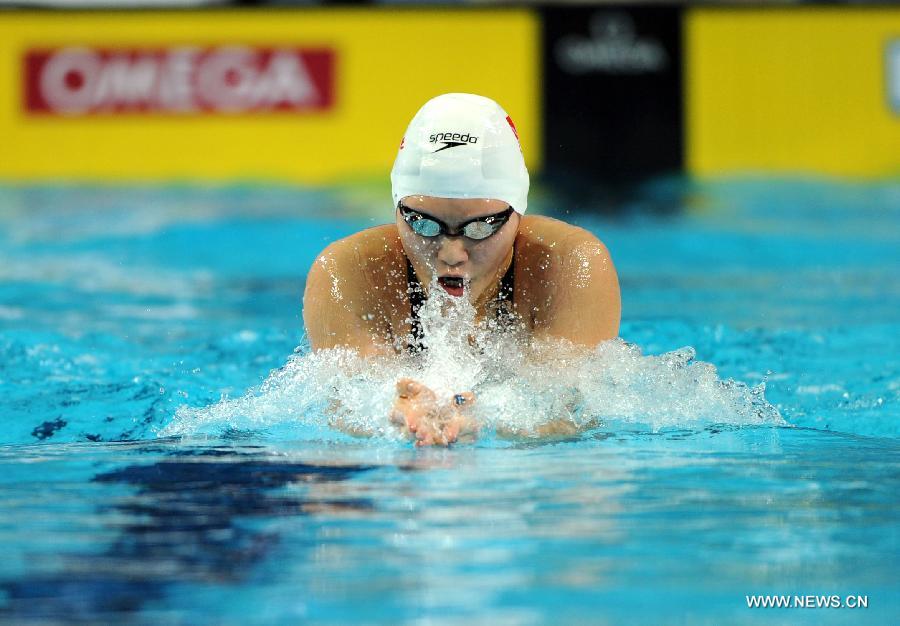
(419, 414)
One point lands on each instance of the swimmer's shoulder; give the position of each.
(353, 289)
(569, 287)
(362, 268)
(544, 239)
(539, 229)
(374, 249)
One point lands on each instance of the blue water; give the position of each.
(120, 307)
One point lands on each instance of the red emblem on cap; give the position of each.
(513, 126)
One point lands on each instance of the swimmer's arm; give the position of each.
(586, 311)
(559, 428)
(553, 353)
(336, 307)
(586, 307)
(564, 425)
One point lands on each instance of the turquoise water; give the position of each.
(125, 311)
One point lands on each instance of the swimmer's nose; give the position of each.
(452, 251)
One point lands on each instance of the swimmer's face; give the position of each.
(481, 263)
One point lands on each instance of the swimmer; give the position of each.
(460, 190)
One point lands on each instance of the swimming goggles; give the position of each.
(477, 229)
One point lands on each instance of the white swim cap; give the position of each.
(461, 145)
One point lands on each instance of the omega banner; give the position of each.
(314, 96)
(177, 80)
(612, 92)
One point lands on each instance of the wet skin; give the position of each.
(356, 293)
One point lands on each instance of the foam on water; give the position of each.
(520, 384)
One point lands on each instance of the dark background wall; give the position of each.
(612, 93)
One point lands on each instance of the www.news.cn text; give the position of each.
(807, 602)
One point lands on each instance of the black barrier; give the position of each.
(612, 94)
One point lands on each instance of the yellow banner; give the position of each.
(311, 96)
(793, 90)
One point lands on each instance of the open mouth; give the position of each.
(454, 285)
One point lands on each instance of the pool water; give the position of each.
(155, 466)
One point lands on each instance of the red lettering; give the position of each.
(177, 80)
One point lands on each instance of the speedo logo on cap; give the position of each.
(452, 140)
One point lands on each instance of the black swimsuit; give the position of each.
(417, 299)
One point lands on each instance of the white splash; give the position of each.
(520, 384)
